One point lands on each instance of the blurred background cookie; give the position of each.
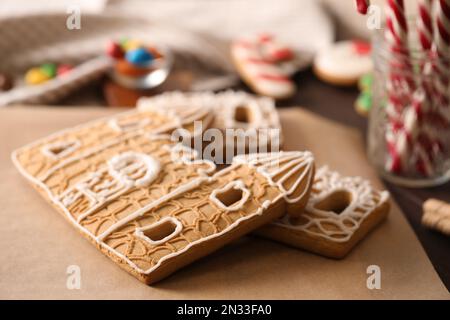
(344, 63)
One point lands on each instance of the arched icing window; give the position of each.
(128, 125)
(161, 231)
(60, 149)
(231, 197)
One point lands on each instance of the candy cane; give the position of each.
(442, 51)
(412, 146)
(425, 31)
(422, 103)
(425, 26)
(397, 38)
(362, 6)
(400, 84)
(409, 137)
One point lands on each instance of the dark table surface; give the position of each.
(337, 104)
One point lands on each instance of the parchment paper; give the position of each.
(37, 245)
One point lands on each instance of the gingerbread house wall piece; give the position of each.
(256, 116)
(148, 204)
(339, 213)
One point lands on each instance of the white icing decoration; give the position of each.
(178, 119)
(139, 213)
(238, 185)
(67, 148)
(134, 169)
(127, 126)
(87, 153)
(184, 108)
(140, 171)
(361, 206)
(139, 232)
(98, 194)
(188, 156)
(271, 165)
(180, 190)
(262, 109)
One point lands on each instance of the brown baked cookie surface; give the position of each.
(153, 205)
(340, 212)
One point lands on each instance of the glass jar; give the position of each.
(409, 124)
(145, 76)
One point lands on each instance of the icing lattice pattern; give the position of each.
(143, 199)
(232, 110)
(362, 200)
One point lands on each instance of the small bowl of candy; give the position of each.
(138, 65)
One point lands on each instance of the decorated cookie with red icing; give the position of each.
(265, 65)
(344, 62)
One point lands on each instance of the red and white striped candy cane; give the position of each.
(397, 39)
(425, 26)
(413, 146)
(362, 6)
(422, 103)
(442, 50)
(400, 84)
(425, 32)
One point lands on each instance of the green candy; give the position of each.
(123, 43)
(49, 69)
(366, 83)
(364, 102)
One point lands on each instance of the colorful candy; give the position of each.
(64, 69)
(114, 50)
(131, 45)
(49, 69)
(139, 57)
(133, 58)
(46, 72)
(36, 76)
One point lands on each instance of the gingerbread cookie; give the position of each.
(252, 120)
(344, 63)
(149, 204)
(340, 212)
(436, 215)
(265, 65)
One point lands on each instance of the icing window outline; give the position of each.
(68, 147)
(237, 185)
(128, 125)
(140, 232)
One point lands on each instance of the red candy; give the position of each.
(63, 69)
(114, 50)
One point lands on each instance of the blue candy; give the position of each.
(139, 57)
